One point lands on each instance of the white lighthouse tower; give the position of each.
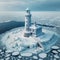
(27, 19)
(27, 23)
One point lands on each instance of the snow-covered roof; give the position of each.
(27, 9)
(33, 26)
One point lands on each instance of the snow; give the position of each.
(56, 56)
(55, 47)
(9, 51)
(15, 53)
(35, 57)
(40, 59)
(0, 50)
(59, 51)
(35, 26)
(54, 51)
(26, 54)
(15, 41)
(8, 55)
(42, 55)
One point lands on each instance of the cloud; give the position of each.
(38, 5)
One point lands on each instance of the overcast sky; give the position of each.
(35, 5)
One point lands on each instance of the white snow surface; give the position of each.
(15, 40)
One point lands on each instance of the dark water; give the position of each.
(10, 25)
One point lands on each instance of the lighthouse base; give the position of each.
(27, 33)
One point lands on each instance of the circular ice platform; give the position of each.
(14, 40)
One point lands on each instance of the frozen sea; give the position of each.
(51, 18)
(41, 17)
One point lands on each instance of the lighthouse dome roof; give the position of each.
(27, 9)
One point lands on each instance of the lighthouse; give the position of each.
(31, 29)
(27, 32)
(27, 19)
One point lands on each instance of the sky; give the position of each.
(34, 5)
